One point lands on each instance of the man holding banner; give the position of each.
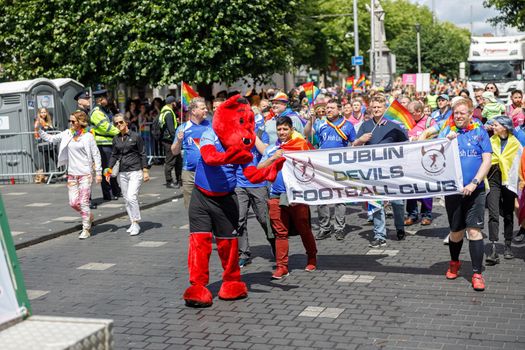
(333, 132)
(466, 211)
(285, 215)
(379, 130)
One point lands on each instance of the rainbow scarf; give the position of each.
(338, 128)
(77, 133)
(399, 114)
(187, 94)
(450, 125)
(349, 88)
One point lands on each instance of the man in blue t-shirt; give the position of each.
(254, 196)
(187, 141)
(332, 132)
(379, 130)
(466, 211)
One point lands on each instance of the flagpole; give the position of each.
(181, 108)
(377, 122)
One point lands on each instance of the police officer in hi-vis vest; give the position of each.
(104, 131)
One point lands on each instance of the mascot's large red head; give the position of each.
(234, 123)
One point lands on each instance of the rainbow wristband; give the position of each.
(107, 172)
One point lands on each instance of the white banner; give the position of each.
(381, 172)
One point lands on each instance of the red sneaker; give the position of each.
(453, 270)
(478, 283)
(280, 273)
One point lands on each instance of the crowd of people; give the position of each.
(490, 135)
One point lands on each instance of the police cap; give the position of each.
(82, 95)
(100, 93)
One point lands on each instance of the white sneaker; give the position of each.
(130, 228)
(134, 229)
(84, 234)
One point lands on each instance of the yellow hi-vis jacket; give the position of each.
(102, 128)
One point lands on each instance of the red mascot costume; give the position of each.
(214, 209)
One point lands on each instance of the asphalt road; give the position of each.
(359, 298)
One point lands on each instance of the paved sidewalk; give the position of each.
(39, 212)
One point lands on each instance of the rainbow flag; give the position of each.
(399, 114)
(311, 91)
(349, 88)
(361, 82)
(187, 94)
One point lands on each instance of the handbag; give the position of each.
(115, 169)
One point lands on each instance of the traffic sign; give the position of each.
(357, 60)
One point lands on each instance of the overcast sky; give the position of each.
(458, 12)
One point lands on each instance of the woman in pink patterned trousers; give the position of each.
(78, 150)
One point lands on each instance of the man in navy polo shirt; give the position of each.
(332, 132)
(375, 131)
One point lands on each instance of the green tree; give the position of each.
(512, 12)
(146, 41)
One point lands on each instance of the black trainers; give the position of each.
(339, 235)
(507, 253)
(244, 262)
(401, 235)
(492, 258)
(521, 235)
(376, 243)
(323, 235)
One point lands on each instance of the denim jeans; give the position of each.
(379, 219)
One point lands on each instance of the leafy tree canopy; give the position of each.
(512, 12)
(146, 41)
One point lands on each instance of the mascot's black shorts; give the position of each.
(219, 215)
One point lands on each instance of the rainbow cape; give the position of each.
(311, 92)
(399, 114)
(349, 88)
(187, 94)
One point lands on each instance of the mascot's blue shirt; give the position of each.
(221, 178)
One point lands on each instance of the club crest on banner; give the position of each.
(433, 160)
(303, 172)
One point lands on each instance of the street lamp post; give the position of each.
(380, 13)
(356, 39)
(372, 43)
(418, 29)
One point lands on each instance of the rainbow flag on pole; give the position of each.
(349, 87)
(399, 114)
(311, 91)
(361, 82)
(187, 94)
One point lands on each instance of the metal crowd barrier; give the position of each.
(26, 159)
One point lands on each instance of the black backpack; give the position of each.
(157, 129)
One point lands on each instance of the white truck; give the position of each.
(499, 60)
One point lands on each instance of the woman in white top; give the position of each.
(78, 150)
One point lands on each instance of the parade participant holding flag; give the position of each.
(332, 132)
(284, 215)
(187, 139)
(380, 130)
(466, 211)
(503, 184)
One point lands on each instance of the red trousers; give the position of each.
(282, 219)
